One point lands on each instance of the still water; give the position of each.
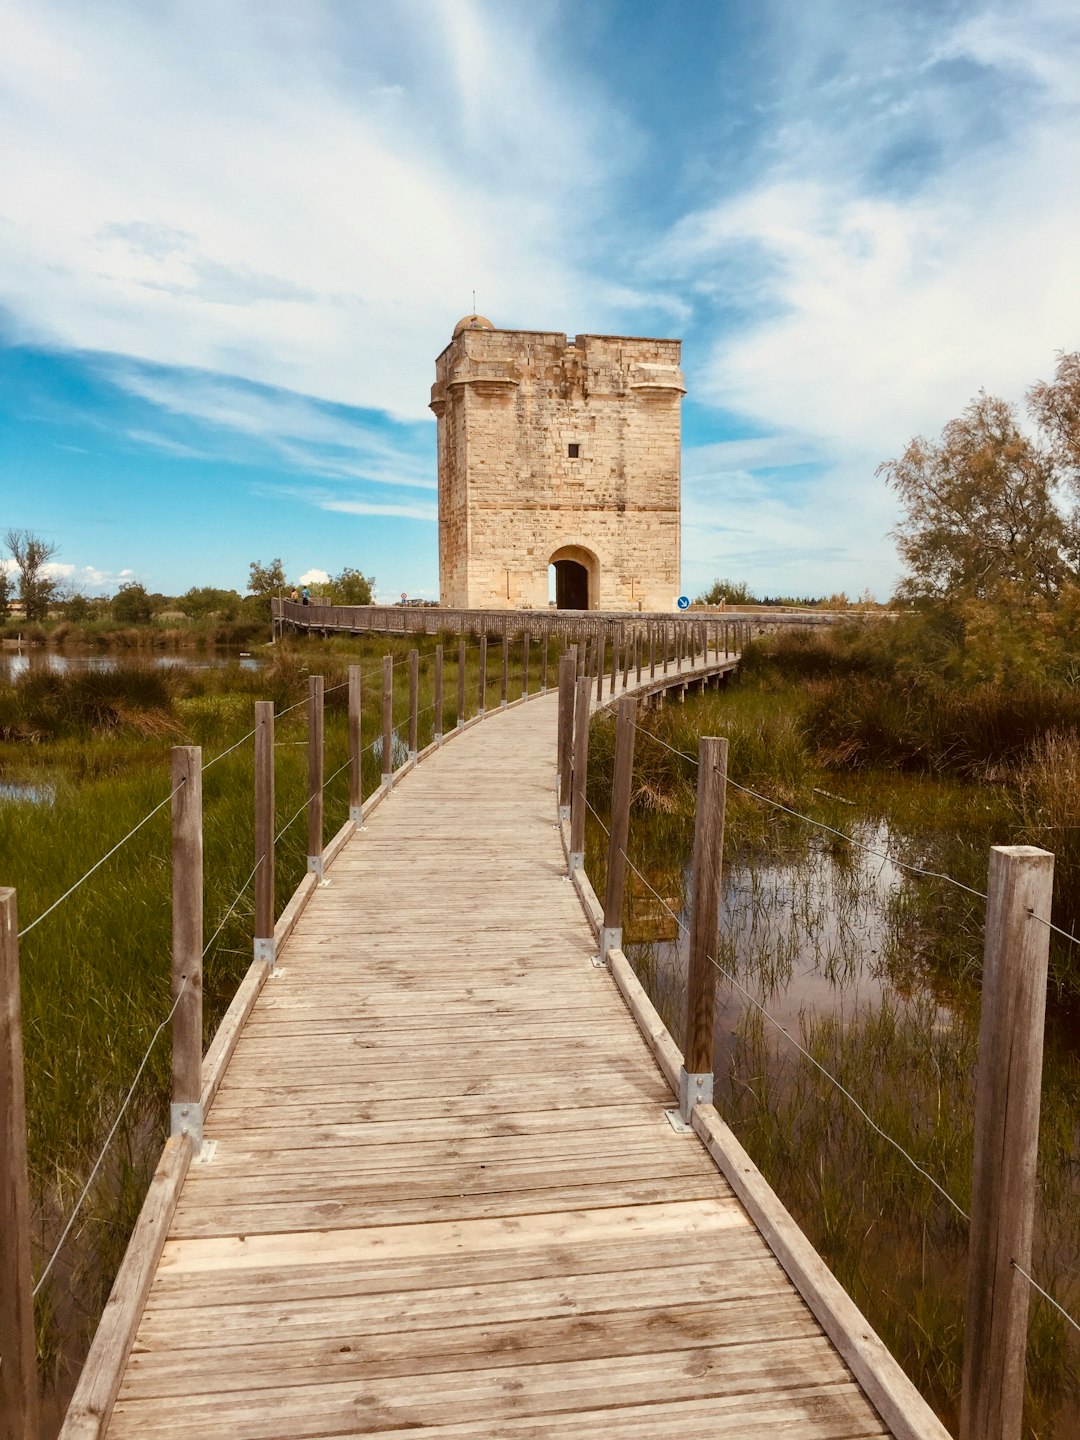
(14, 663)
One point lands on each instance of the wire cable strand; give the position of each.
(108, 1141)
(232, 907)
(98, 864)
(803, 1050)
(229, 751)
(1035, 1285)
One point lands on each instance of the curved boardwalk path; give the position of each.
(446, 1200)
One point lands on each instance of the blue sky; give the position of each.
(234, 237)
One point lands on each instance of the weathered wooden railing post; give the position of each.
(264, 832)
(483, 672)
(387, 721)
(567, 682)
(503, 693)
(667, 644)
(652, 650)
(637, 654)
(581, 772)
(1007, 1098)
(461, 684)
(600, 672)
(438, 722)
(525, 662)
(614, 659)
(187, 942)
(19, 1404)
(414, 702)
(696, 1078)
(544, 662)
(356, 749)
(621, 786)
(629, 641)
(315, 776)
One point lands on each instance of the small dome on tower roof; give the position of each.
(473, 322)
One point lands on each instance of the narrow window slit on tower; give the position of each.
(573, 450)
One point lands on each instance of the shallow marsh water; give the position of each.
(872, 970)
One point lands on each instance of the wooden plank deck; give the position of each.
(445, 1199)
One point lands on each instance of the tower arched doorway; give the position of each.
(577, 577)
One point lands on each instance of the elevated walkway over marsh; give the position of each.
(446, 1197)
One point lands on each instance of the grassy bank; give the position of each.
(96, 969)
(873, 970)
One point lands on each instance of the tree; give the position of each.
(6, 591)
(264, 582)
(204, 600)
(727, 592)
(31, 555)
(131, 605)
(982, 511)
(1056, 408)
(351, 587)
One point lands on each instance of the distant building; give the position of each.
(557, 452)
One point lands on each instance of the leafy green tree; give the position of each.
(131, 605)
(264, 582)
(727, 592)
(76, 607)
(202, 601)
(7, 590)
(351, 587)
(31, 555)
(982, 511)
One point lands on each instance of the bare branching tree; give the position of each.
(31, 555)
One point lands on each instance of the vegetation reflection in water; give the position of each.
(874, 972)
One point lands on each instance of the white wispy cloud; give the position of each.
(366, 507)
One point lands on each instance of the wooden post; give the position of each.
(18, 1354)
(581, 771)
(629, 641)
(315, 776)
(637, 654)
(505, 667)
(614, 660)
(483, 673)
(1007, 1097)
(356, 751)
(544, 663)
(438, 695)
(621, 785)
(696, 1078)
(567, 682)
(667, 644)
(600, 674)
(652, 650)
(414, 702)
(387, 721)
(264, 831)
(525, 662)
(461, 683)
(187, 943)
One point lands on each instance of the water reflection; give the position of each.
(22, 662)
(26, 794)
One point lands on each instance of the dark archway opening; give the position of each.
(571, 585)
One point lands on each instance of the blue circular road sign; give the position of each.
(684, 602)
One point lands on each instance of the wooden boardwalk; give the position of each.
(445, 1198)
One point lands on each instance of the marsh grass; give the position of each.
(875, 971)
(96, 971)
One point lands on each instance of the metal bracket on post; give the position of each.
(386, 782)
(186, 1118)
(438, 737)
(576, 861)
(564, 812)
(266, 950)
(610, 939)
(694, 1090)
(413, 754)
(315, 867)
(356, 815)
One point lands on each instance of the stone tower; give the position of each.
(557, 452)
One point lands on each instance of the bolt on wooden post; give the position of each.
(461, 684)
(1007, 1100)
(580, 772)
(414, 702)
(438, 722)
(187, 942)
(618, 837)
(567, 681)
(19, 1406)
(696, 1077)
(387, 721)
(315, 775)
(264, 831)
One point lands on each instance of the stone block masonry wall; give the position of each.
(549, 446)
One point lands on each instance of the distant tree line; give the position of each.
(32, 582)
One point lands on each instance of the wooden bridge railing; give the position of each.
(1009, 1079)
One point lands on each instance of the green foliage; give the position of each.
(350, 588)
(31, 554)
(203, 601)
(131, 605)
(727, 592)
